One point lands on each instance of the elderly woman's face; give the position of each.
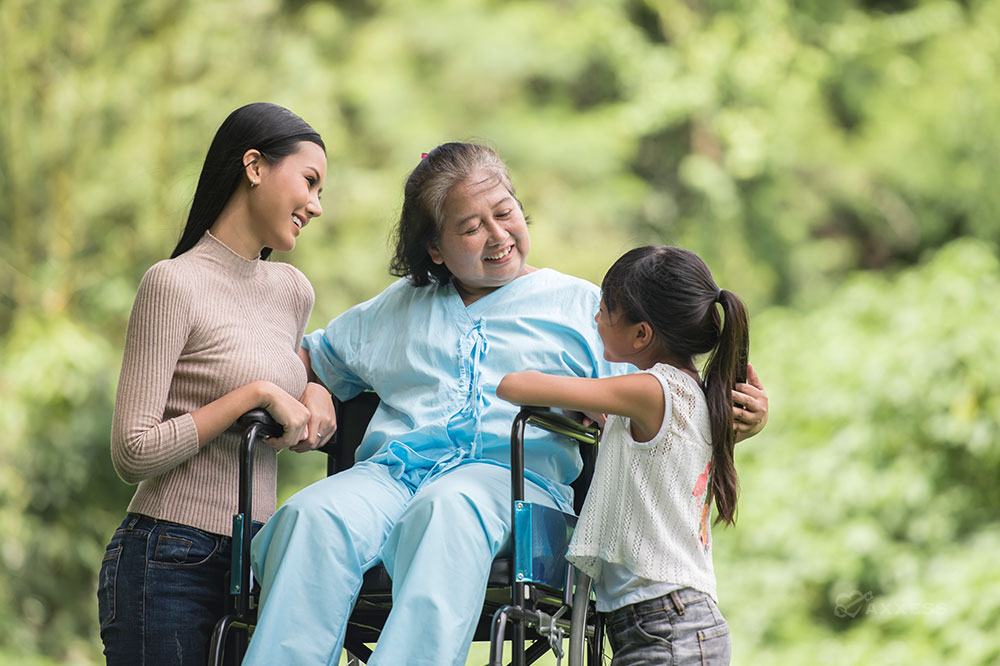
(484, 237)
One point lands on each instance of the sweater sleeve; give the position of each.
(143, 444)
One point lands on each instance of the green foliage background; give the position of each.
(834, 162)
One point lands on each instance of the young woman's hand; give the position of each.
(322, 418)
(287, 411)
(749, 406)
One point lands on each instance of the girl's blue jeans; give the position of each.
(162, 588)
(683, 627)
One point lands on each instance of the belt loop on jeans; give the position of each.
(676, 600)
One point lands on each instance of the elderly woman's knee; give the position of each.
(464, 513)
(317, 503)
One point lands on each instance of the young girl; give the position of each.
(214, 332)
(666, 454)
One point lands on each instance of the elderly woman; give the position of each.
(430, 495)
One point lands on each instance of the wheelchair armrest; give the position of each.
(558, 422)
(267, 426)
(547, 419)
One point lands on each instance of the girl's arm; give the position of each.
(638, 396)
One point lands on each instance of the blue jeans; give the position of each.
(162, 588)
(683, 627)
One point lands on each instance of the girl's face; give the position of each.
(616, 334)
(287, 197)
(484, 237)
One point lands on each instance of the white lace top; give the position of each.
(646, 506)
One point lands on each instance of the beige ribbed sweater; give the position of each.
(203, 324)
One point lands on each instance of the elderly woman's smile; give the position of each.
(500, 255)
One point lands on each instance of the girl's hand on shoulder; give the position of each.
(290, 413)
(749, 406)
(322, 418)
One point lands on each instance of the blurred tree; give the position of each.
(58, 492)
(768, 136)
(869, 511)
(790, 143)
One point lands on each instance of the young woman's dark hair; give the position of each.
(271, 129)
(426, 188)
(673, 290)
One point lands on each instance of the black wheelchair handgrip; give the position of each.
(268, 426)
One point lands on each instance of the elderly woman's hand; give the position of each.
(322, 418)
(749, 406)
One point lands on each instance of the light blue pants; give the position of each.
(436, 541)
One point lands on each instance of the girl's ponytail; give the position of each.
(727, 365)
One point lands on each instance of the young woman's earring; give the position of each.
(253, 182)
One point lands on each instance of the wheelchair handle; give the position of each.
(558, 422)
(267, 426)
(546, 419)
(254, 424)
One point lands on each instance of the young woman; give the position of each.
(666, 453)
(213, 333)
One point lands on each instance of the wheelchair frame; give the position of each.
(255, 424)
(536, 606)
(529, 584)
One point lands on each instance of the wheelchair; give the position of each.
(532, 591)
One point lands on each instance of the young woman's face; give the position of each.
(287, 196)
(484, 237)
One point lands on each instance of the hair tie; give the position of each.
(718, 296)
(423, 155)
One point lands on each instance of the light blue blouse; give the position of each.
(617, 587)
(436, 363)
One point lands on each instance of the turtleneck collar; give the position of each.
(229, 261)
